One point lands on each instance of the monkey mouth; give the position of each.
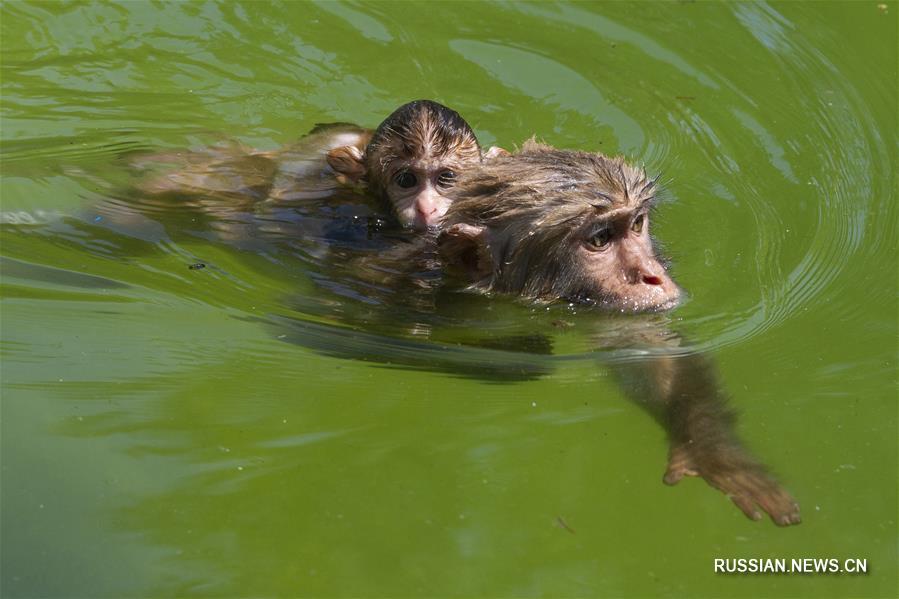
(624, 304)
(638, 307)
(668, 304)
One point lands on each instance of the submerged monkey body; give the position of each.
(244, 176)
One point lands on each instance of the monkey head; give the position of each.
(413, 159)
(551, 224)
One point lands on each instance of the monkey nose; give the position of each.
(428, 214)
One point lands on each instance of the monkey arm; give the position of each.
(682, 392)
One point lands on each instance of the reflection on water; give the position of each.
(294, 419)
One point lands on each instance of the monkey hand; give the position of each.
(738, 476)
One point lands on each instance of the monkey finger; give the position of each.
(769, 495)
(672, 476)
(757, 488)
(679, 465)
(747, 506)
(780, 505)
(786, 519)
(733, 485)
(676, 472)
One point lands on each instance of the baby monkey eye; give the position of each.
(406, 179)
(446, 178)
(601, 238)
(637, 227)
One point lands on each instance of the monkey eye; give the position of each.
(600, 239)
(446, 178)
(405, 179)
(637, 227)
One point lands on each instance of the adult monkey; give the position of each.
(549, 224)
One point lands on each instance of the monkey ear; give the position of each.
(465, 249)
(348, 162)
(495, 152)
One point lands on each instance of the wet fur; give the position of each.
(535, 203)
(422, 130)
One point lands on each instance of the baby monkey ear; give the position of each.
(496, 152)
(348, 162)
(464, 249)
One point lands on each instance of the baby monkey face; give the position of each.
(412, 160)
(416, 187)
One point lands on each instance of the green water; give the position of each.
(174, 432)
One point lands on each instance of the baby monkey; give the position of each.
(409, 161)
(550, 224)
(413, 159)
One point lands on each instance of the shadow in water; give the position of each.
(675, 384)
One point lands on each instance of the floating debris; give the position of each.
(561, 522)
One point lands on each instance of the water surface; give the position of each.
(264, 426)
